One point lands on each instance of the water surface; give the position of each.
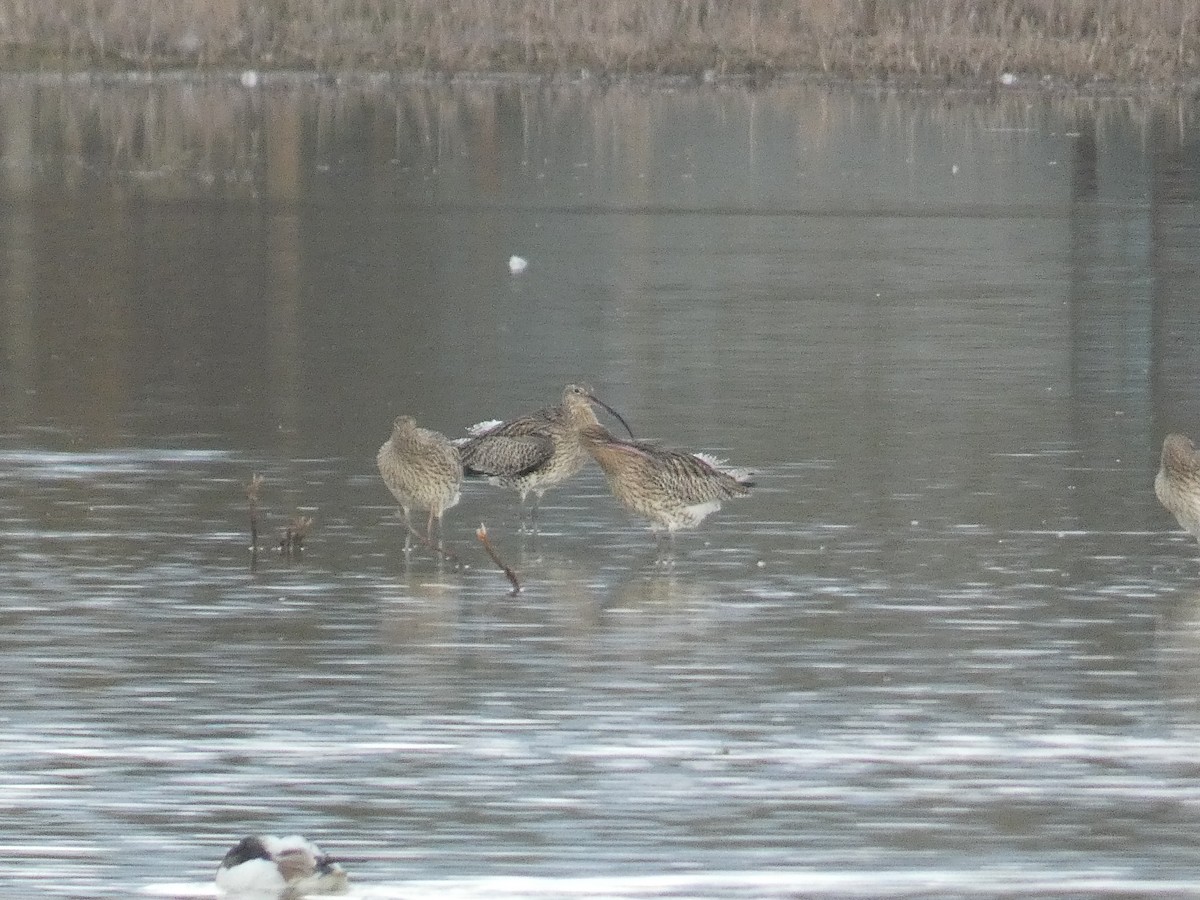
(949, 647)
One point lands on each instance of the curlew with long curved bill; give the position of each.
(1177, 484)
(423, 471)
(673, 489)
(534, 452)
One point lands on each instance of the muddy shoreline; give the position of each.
(255, 78)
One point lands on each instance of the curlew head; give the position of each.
(1179, 455)
(403, 424)
(603, 444)
(577, 403)
(596, 434)
(611, 453)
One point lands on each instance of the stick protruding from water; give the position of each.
(481, 533)
(291, 544)
(253, 486)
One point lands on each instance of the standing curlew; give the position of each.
(674, 489)
(270, 868)
(422, 469)
(1177, 484)
(534, 452)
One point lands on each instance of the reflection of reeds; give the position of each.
(1078, 39)
(169, 139)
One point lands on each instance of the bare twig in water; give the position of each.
(482, 534)
(252, 489)
(292, 543)
(435, 548)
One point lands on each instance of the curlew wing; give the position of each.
(695, 480)
(529, 425)
(533, 423)
(505, 456)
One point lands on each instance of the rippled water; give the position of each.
(949, 646)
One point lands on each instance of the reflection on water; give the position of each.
(947, 648)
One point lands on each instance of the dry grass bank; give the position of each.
(1156, 41)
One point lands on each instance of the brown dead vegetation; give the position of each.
(1155, 41)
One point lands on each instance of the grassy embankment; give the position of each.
(1080, 41)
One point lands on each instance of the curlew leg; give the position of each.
(528, 518)
(429, 529)
(664, 542)
(408, 529)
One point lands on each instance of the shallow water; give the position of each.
(949, 646)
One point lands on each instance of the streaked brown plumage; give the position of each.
(674, 489)
(423, 470)
(1177, 484)
(534, 452)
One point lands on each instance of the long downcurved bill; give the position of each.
(615, 414)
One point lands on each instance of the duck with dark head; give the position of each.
(264, 867)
